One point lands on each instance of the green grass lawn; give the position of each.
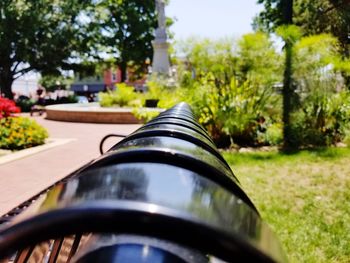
(304, 197)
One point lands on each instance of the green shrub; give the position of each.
(122, 96)
(274, 134)
(305, 132)
(320, 112)
(19, 132)
(229, 86)
(159, 90)
(144, 115)
(322, 120)
(25, 104)
(346, 139)
(69, 99)
(229, 111)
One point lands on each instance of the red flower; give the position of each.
(7, 107)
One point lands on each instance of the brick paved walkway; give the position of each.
(23, 178)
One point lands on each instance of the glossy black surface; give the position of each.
(181, 108)
(180, 123)
(146, 244)
(179, 117)
(167, 181)
(193, 204)
(176, 113)
(164, 185)
(166, 130)
(172, 145)
(173, 127)
(130, 253)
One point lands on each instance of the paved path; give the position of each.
(23, 178)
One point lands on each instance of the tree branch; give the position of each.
(334, 6)
(15, 67)
(21, 72)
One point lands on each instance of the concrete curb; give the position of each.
(52, 142)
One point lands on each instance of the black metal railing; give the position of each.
(164, 191)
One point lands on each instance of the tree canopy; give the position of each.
(314, 17)
(127, 30)
(287, 17)
(49, 36)
(40, 35)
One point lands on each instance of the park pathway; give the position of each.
(23, 178)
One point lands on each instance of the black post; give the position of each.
(287, 8)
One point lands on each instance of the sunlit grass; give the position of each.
(304, 197)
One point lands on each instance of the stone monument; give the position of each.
(160, 62)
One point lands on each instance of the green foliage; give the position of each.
(127, 29)
(18, 133)
(232, 110)
(258, 60)
(313, 17)
(167, 96)
(53, 36)
(272, 16)
(230, 87)
(325, 16)
(206, 56)
(126, 96)
(145, 115)
(320, 116)
(25, 104)
(155, 89)
(273, 134)
(289, 33)
(41, 35)
(51, 82)
(315, 63)
(322, 120)
(346, 139)
(122, 96)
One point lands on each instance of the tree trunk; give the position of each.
(346, 55)
(287, 98)
(123, 69)
(287, 9)
(6, 87)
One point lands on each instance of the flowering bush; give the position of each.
(19, 132)
(7, 107)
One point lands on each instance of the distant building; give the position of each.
(94, 84)
(112, 77)
(105, 81)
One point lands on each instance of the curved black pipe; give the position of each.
(135, 218)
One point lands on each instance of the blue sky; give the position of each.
(212, 18)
